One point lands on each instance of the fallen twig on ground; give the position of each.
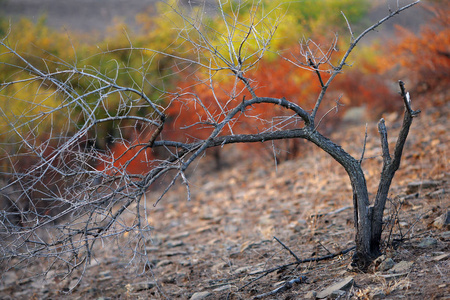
(331, 212)
(287, 248)
(311, 259)
(287, 285)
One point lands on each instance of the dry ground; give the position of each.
(221, 240)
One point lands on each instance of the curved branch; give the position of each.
(281, 102)
(237, 138)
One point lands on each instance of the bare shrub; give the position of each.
(83, 145)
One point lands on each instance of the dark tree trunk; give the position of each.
(390, 166)
(368, 219)
(362, 212)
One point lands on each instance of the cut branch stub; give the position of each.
(407, 100)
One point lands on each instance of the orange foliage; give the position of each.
(425, 58)
(370, 89)
(130, 157)
(201, 105)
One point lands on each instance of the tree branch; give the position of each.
(390, 166)
(338, 69)
(237, 138)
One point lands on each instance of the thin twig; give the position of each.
(352, 37)
(316, 69)
(287, 248)
(329, 252)
(364, 146)
(331, 212)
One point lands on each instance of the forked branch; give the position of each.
(390, 165)
(352, 45)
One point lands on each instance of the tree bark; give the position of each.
(369, 219)
(390, 166)
(362, 210)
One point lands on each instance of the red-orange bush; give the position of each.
(192, 115)
(359, 88)
(132, 157)
(276, 79)
(424, 58)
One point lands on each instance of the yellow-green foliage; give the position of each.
(27, 107)
(200, 36)
(138, 61)
(30, 110)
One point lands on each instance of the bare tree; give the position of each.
(69, 193)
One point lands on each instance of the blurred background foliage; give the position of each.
(122, 58)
